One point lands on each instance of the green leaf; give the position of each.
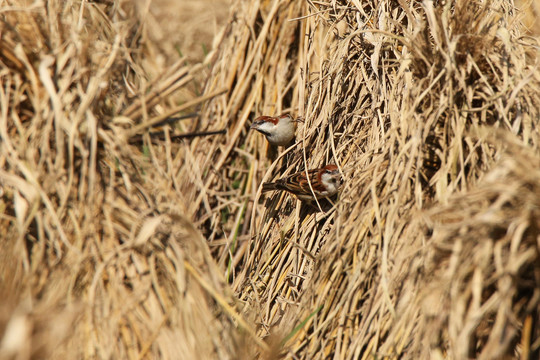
(301, 325)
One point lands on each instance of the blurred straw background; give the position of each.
(123, 239)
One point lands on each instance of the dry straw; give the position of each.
(119, 245)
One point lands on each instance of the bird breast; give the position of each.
(282, 134)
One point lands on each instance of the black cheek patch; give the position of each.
(265, 133)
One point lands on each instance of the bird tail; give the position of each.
(269, 187)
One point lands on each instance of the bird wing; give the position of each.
(298, 183)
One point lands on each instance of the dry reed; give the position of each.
(122, 245)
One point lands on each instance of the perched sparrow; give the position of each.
(279, 130)
(324, 181)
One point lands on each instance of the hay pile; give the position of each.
(402, 96)
(100, 258)
(121, 244)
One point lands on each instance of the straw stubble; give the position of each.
(166, 248)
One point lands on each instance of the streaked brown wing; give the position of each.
(316, 181)
(297, 183)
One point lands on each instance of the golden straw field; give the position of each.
(132, 216)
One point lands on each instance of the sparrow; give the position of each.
(279, 130)
(324, 181)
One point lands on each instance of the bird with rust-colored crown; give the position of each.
(325, 182)
(278, 130)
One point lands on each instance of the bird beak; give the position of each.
(254, 125)
(299, 119)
